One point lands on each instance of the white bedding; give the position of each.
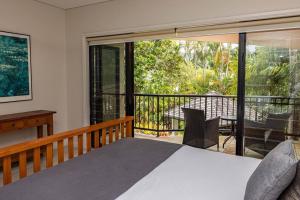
(192, 173)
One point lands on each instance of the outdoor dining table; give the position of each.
(232, 119)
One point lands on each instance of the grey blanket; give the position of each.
(102, 174)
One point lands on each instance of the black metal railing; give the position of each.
(157, 114)
(162, 113)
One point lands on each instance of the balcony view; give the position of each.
(202, 73)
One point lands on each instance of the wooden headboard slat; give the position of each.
(59, 136)
(46, 145)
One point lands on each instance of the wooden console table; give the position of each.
(18, 121)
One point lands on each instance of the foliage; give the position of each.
(157, 66)
(196, 67)
(268, 71)
(185, 67)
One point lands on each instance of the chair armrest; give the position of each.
(256, 129)
(254, 132)
(212, 126)
(265, 134)
(211, 132)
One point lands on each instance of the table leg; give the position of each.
(40, 131)
(232, 134)
(50, 127)
(226, 140)
(232, 128)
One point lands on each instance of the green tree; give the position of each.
(268, 71)
(216, 65)
(157, 67)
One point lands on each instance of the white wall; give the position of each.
(121, 16)
(46, 26)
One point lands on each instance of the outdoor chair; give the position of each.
(262, 137)
(199, 132)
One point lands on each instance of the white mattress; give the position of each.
(192, 173)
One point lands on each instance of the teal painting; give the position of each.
(15, 67)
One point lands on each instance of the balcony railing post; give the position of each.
(157, 109)
(205, 107)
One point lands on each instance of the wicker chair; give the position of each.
(262, 137)
(199, 132)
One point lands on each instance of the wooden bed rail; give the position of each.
(115, 129)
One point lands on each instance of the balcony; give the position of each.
(200, 65)
(160, 117)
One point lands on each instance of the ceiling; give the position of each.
(66, 4)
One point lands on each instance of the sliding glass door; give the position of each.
(257, 75)
(107, 82)
(272, 89)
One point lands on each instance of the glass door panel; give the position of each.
(272, 90)
(107, 82)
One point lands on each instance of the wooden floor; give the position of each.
(297, 148)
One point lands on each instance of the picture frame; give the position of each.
(15, 67)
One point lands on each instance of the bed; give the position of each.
(127, 168)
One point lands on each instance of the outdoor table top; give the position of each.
(229, 117)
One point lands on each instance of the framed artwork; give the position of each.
(15, 67)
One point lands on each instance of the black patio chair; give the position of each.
(262, 137)
(199, 132)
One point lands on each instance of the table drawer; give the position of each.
(36, 122)
(7, 126)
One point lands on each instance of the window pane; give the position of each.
(107, 82)
(272, 90)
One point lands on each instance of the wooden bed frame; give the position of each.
(118, 128)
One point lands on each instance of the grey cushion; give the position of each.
(285, 147)
(292, 192)
(273, 174)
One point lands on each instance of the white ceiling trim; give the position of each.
(68, 4)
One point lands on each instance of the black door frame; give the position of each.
(117, 77)
(241, 94)
(94, 74)
(129, 76)
(96, 82)
(129, 66)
